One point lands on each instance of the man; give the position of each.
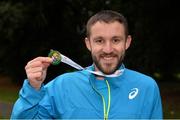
(83, 95)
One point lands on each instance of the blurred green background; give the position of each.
(30, 28)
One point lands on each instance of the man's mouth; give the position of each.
(108, 58)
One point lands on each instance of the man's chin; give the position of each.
(106, 68)
(108, 72)
(109, 69)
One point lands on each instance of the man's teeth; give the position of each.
(108, 58)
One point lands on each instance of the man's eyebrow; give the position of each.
(119, 37)
(98, 37)
(114, 37)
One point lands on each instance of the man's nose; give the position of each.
(107, 48)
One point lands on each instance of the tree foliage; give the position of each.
(31, 28)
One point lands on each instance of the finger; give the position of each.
(34, 64)
(46, 65)
(37, 63)
(35, 76)
(34, 69)
(42, 59)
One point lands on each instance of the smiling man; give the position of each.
(107, 43)
(83, 95)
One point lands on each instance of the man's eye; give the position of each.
(116, 40)
(98, 41)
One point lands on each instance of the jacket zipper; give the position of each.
(106, 110)
(109, 102)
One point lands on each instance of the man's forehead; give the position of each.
(109, 28)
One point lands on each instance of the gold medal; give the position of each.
(56, 56)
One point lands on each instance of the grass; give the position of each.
(8, 91)
(170, 99)
(8, 95)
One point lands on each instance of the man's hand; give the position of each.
(36, 70)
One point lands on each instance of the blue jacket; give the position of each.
(79, 95)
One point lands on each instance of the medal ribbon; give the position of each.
(66, 60)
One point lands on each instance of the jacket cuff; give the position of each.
(30, 94)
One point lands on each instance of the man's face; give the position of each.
(107, 43)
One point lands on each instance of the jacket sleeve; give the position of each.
(27, 105)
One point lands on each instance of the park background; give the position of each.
(30, 28)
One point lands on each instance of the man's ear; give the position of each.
(87, 42)
(128, 41)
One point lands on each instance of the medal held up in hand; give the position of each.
(56, 56)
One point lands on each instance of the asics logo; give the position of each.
(133, 93)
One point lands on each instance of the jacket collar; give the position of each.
(113, 81)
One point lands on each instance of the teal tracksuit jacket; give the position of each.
(79, 95)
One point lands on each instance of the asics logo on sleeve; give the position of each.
(133, 93)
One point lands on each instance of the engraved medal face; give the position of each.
(56, 56)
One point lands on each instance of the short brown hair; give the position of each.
(107, 16)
